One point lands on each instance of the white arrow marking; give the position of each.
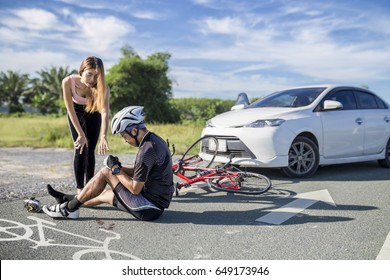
(384, 254)
(303, 201)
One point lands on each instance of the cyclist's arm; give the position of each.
(125, 176)
(128, 170)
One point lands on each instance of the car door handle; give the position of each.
(359, 121)
(387, 119)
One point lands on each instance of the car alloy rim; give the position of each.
(301, 158)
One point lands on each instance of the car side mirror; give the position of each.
(241, 102)
(332, 105)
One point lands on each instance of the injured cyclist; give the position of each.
(144, 190)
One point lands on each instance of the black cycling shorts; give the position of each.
(137, 205)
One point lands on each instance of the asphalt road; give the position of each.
(205, 224)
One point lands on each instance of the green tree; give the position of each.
(14, 88)
(200, 109)
(47, 89)
(144, 82)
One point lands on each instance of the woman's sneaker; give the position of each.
(60, 211)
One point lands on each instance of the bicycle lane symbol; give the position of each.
(10, 231)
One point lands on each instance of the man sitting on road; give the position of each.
(144, 190)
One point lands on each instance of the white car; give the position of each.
(300, 129)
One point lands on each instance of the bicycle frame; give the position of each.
(225, 177)
(180, 168)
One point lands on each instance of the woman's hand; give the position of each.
(103, 145)
(80, 143)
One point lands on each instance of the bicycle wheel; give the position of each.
(205, 144)
(240, 182)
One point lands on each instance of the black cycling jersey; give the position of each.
(153, 166)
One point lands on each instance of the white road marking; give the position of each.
(384, 253)
(303, 201)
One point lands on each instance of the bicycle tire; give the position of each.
(194, 150)
(249, 183)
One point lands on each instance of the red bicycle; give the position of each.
(191, 169)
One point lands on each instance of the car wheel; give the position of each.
(386, 161)
(303, 158)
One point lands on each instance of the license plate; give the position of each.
(222, 147)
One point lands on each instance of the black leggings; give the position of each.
(84, 164)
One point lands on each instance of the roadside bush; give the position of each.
(199, 110)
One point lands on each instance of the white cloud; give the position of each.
(253, 67)
(66, 12)
(100, 34)
(226, 25)
(34, 38)
(38, 28)
(257, 46)
(30, 27)
(31, 61)
(196, 82)
(290, 47)
(35, 19)
(150, 15)
(202, 2)
(8, 36)
(92, 4)
(133, 8)
(311, 45)
(300, 8)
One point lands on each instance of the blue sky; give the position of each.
(219, 47)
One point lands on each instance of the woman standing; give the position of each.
(86, 99)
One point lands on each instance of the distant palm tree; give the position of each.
(14, 88)
(47, 96)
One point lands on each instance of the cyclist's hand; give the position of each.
(110, 161)
(103, 145)
(80, 143)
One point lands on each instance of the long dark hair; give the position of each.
(98, 95)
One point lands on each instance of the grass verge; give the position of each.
(52, 131)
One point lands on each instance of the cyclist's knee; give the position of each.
(104, 172)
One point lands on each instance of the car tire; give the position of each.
(386, 161)
(303, 158)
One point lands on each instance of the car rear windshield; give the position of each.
(289, 98)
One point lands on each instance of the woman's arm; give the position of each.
(103, 146)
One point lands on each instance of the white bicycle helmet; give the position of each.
(33, 205)
(131, 115)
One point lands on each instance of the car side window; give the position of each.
(345, 97)
(366, 100)
(381, 104)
